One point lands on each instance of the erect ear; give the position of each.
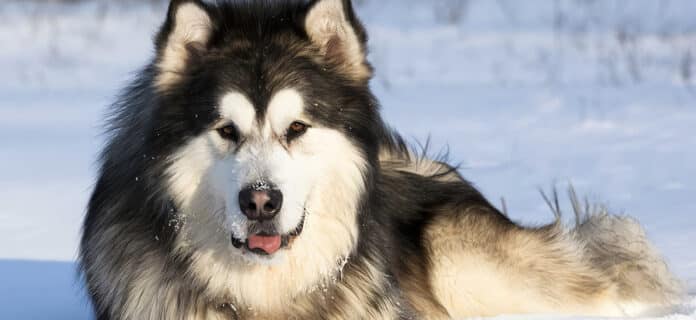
(341, 38)
(187, 30)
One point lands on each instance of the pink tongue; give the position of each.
(269, 244)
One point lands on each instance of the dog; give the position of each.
(249, 175)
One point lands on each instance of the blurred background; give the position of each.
(523, 94)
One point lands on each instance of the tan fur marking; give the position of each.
(330, 30)
(417, 289)
(192, 27)
(409, 162)
(484, 269)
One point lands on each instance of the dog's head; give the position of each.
(271, 131)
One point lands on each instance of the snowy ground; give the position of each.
(599, 93)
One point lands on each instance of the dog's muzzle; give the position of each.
(265, 241)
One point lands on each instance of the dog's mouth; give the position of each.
(264, 240)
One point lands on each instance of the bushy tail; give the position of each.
(618, 246)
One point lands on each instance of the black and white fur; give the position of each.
(370, 230)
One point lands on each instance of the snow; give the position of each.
(40, 290)
(597, 93)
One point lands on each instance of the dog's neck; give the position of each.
(352, 288)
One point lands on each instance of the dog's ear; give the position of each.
(333, 26)
(186, 32)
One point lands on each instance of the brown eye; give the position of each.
(229, 132)
(296, 130)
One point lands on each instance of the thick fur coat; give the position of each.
(273, 98)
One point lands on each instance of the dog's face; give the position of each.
(259, 176)
(270, 129)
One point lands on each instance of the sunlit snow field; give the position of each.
(525, 94)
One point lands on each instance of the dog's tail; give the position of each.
(618, 246)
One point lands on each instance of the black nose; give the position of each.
(260, 204)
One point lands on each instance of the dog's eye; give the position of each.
(229, 132)
(296, 130)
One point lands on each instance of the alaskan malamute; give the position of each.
(249, 175)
